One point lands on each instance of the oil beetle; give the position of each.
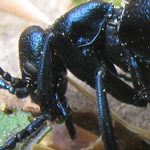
(89, 40)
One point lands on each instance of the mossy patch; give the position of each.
(10, 124)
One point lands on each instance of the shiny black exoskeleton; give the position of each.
(89, 40)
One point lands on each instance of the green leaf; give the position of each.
(10, 124)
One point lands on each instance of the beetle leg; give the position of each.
(120, 90)
(45, 90)
(66, 115)
(106, 81)
(118, 54)
(105, 123)
(141, 90)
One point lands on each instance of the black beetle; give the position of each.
(89, 40)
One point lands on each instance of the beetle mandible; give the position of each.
(89, 40)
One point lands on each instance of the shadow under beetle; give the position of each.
(89, 40)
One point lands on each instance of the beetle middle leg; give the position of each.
(105, 123)
(106, 81)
